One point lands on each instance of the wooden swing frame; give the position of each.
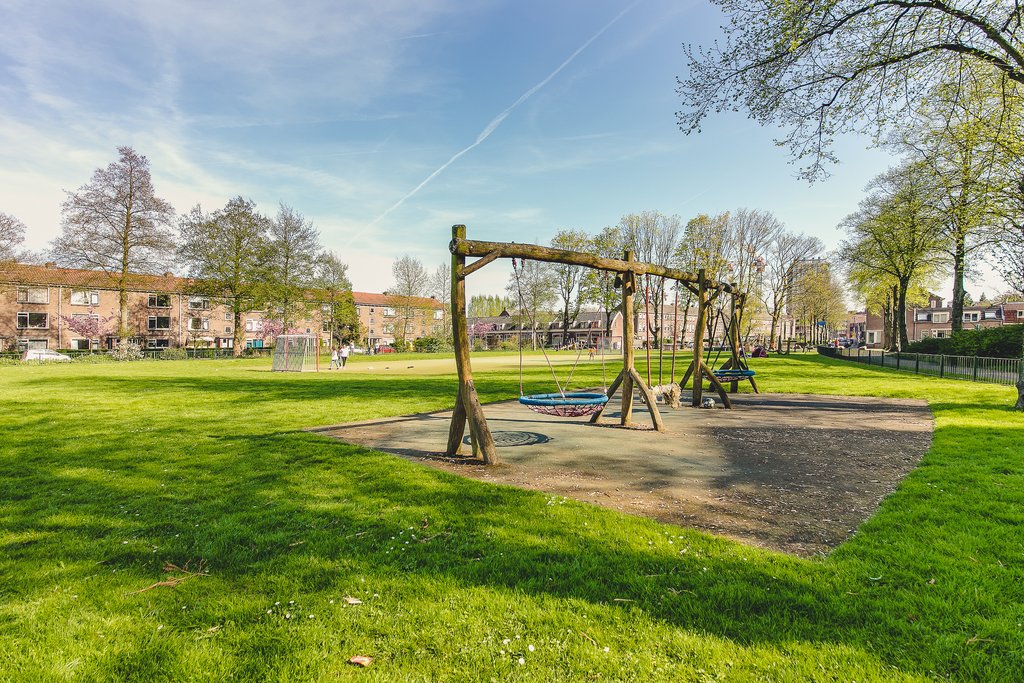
(467, 403)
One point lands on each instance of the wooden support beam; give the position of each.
(479, 432)
(596, 417)
(652, 403)
(628, 290)
(698, 341)
(477, 265)
(535, 252)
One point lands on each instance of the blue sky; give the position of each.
(387, 122)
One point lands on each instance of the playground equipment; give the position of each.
(295, 353)
(467, 404)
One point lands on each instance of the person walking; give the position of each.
(344, 356)
(334, 360)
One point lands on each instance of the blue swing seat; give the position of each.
(569, 405)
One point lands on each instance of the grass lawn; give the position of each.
(108, 472)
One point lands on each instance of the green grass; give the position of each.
(109, 471)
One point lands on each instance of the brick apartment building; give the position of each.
(590, 328)
(933, 320)
(161, 314)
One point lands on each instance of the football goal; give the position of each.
(296, 353)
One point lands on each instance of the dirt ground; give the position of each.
(797, 473)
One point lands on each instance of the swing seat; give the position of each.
(734, 375)
(568, 405)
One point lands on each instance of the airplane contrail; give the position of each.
(497, 120)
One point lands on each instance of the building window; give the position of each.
(33, 321)
(84, 297)
(438, 315)
(253, 325)
(159, 300)
(971, 317)
(158, 343)
(198, 324)
(940, 317)
(84, 345)
(990, 315)
(33, 295)
(388, 329)
(389, 312)
(227, 329)
(874, 336)
(159, 322)
(923, 317)
(199, 303)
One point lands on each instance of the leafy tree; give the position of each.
(411, 283)
(12, 234)
(1009, 261)
(332, 290)
(953, 144)
(896, 233)
(598, 285)
(225, 253)
(117, 224)
(818, 297)
(820, 69)
(703, 245)
(490, 305)
(293, 247)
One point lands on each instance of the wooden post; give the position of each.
(698, 338)
(628, 290)
(467, 405)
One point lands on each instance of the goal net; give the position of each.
(295, 353)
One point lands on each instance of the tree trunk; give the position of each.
(901, 313)
(1020, 380)
(959, 257)
(122, 323)
(238, 346)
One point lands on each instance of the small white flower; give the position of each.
(606, 649)
(522, 660)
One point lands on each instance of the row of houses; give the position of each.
(36, 303)
(933, 320)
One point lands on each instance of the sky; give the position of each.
(385, 123)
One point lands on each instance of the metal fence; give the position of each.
(973, 368)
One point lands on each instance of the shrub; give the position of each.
(174, 354)
(992, 342)
(431, 345)
(92, 358)
(127, 351)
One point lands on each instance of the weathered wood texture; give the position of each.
(628, 291)
(535, 252)
(479, 432)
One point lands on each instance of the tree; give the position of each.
(293, 247)
(117, 224)
(820, 69)
(702, 246)
(333, 292)
(411, 282)
(12, 234)
(490, 305)
(896, 233)
(599, 286)
(653, 237)
(782, 258)
(568, 279)
(225, 253)
(953, 144)
(1009, 260)
(819, 301)
(90, 325)
(533, 288)
(440, 288)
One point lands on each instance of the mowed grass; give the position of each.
(107, 472)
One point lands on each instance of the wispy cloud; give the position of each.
(500, 118)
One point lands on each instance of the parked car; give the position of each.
(385, 349)
(45, 355)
